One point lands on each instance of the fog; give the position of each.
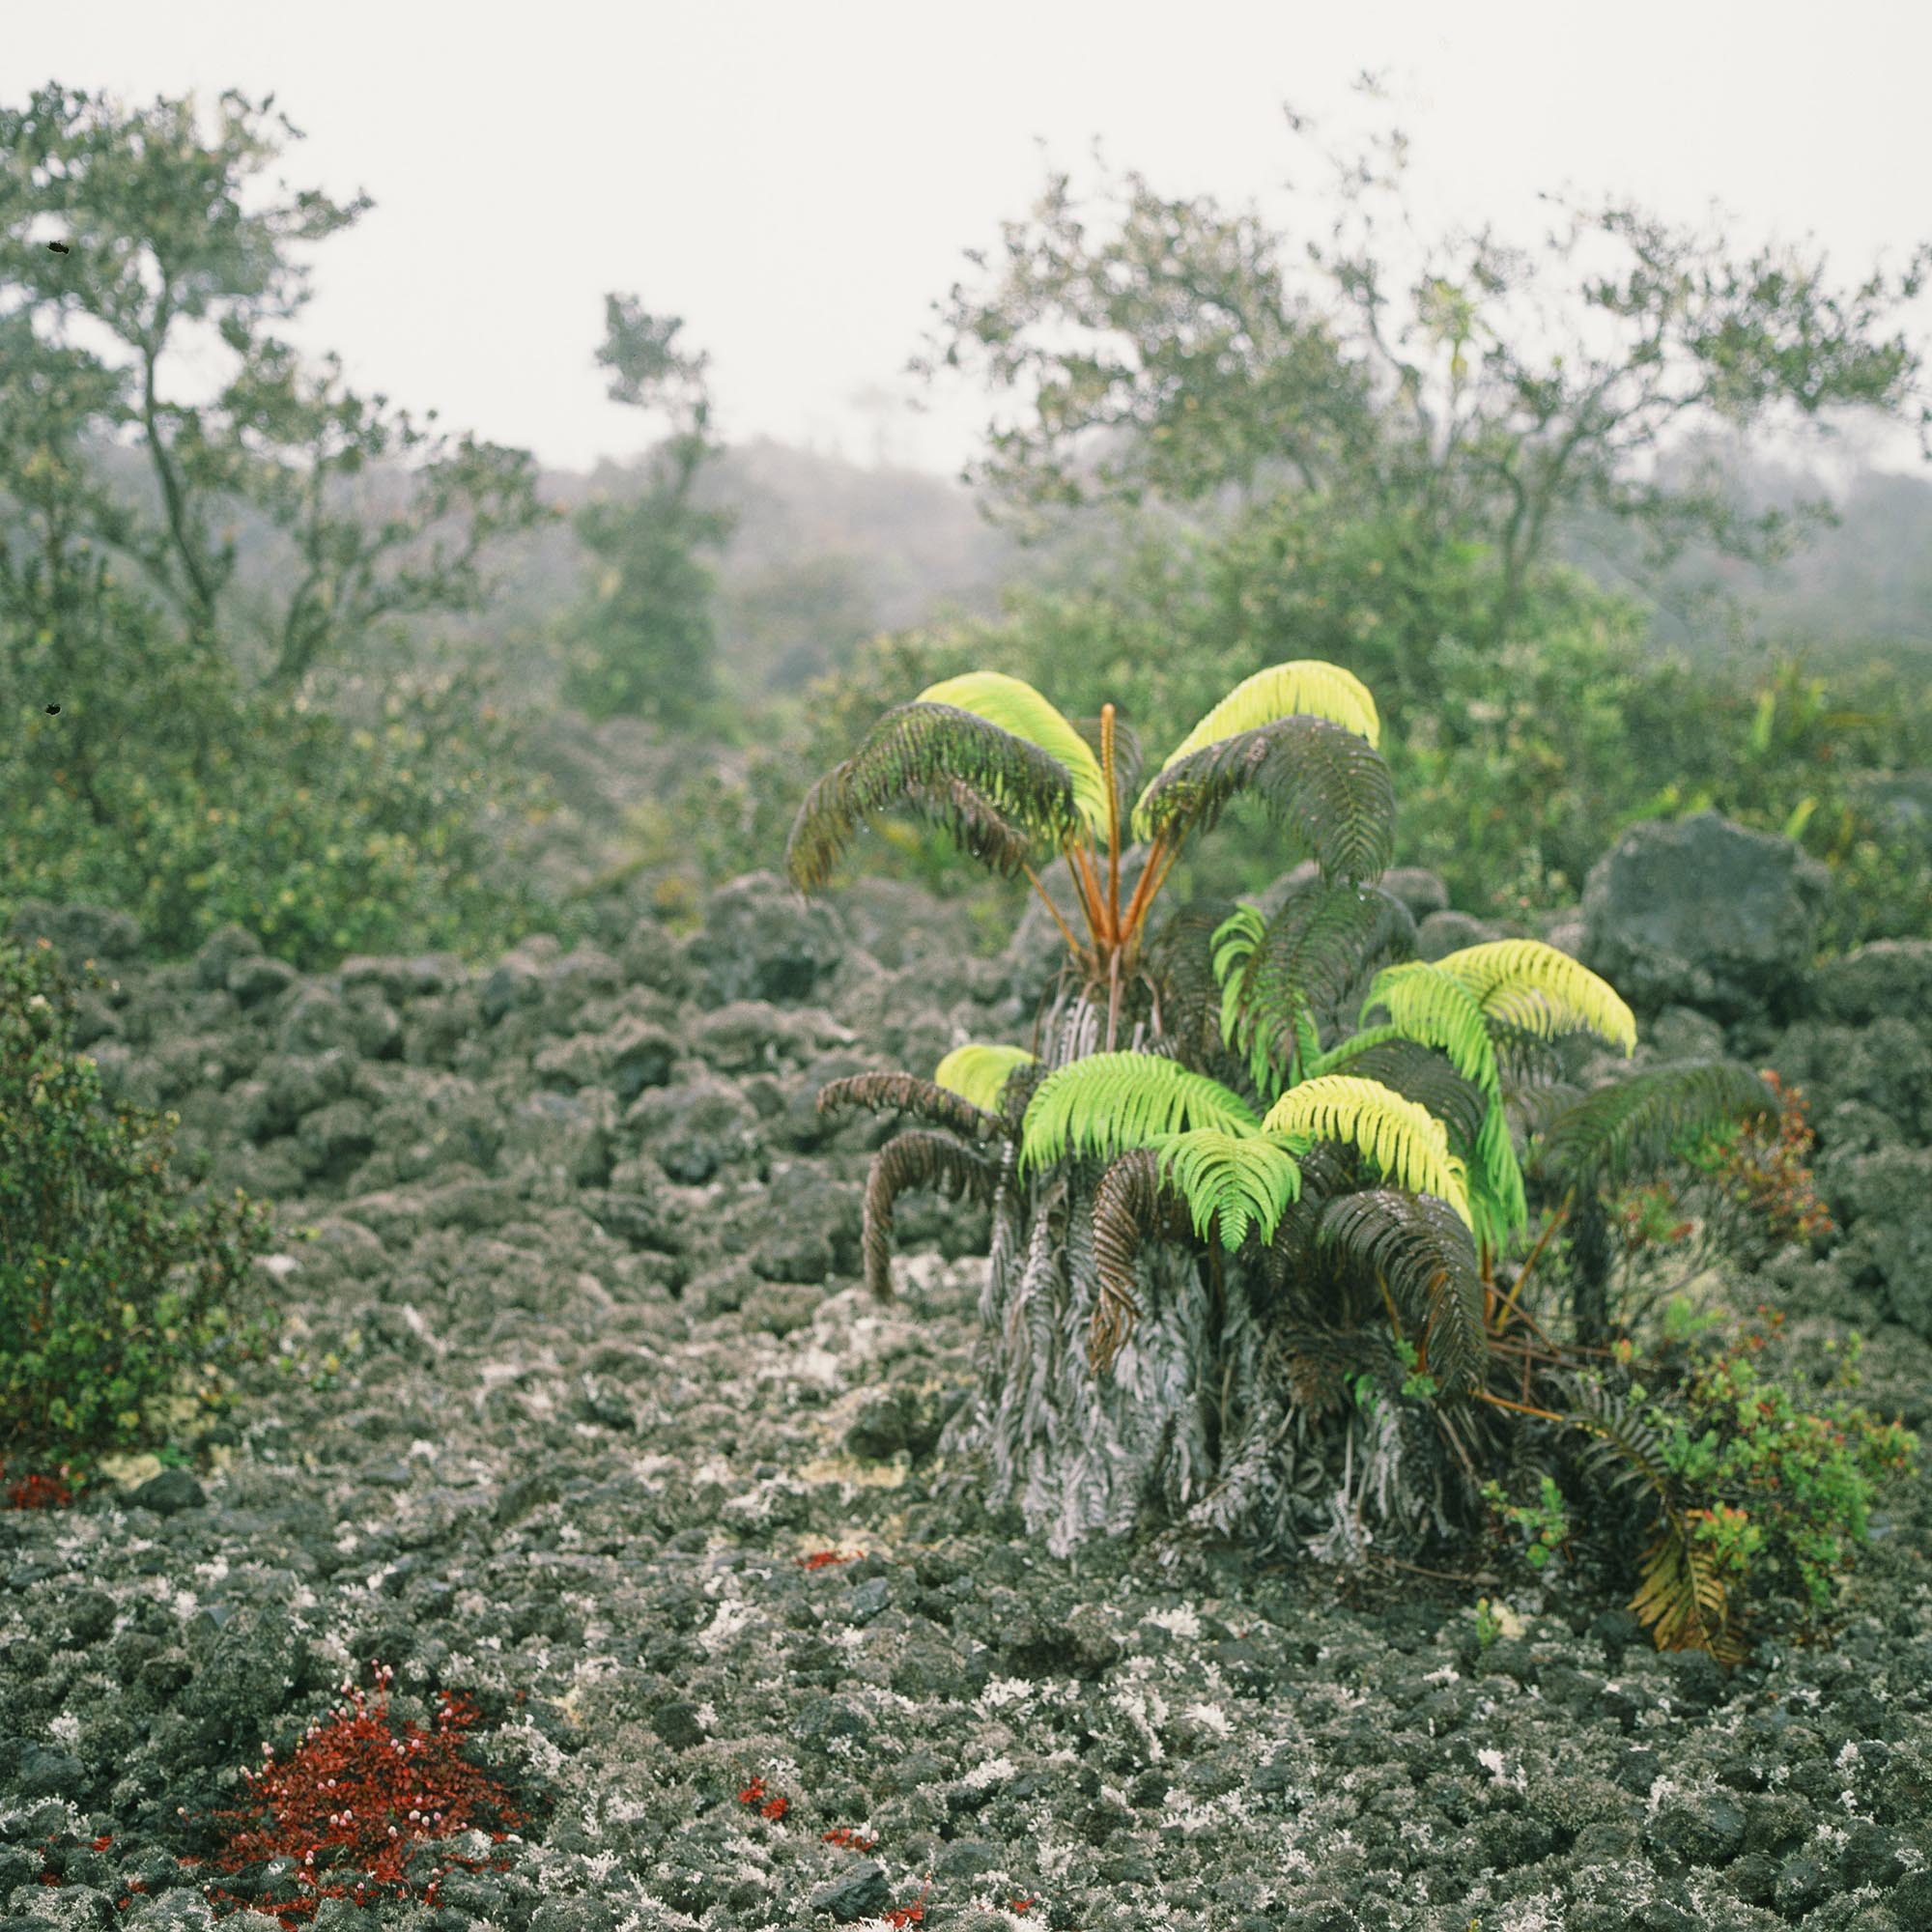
(799, 182)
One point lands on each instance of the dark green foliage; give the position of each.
(1179, 964)
(1421, 1254)
(1306, 959)
(1632, 1127)
(1322, 782)
(907, 1093)
(916, 1159)
(1425, 1074)
(119, 1303)
(1002, 799)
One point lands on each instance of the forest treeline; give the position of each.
(292, 657)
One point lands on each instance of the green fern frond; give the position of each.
(1495, 1179)
(915, 1159)
(1421, 1251)
(1109, 1102)
(1406, 1142)
(1308, 687)
(999, 797)
(1437, 1008)
(1618, 1132)
(1132, 1206)
(1016, 706)
(907, 1093)
(1303, 962)
(1531, 985)
(1420, 1073)
(1232, 1183)
(1329, 789)
(979, 1072)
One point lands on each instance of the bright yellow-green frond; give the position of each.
(1439, 1010)
(1111, 1101)
(1403, 1139)
(1231, 1182)
(979, 1072)
(1531, 985)
(1016, 706)
(1309, 687)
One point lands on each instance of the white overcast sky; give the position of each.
(798, 178)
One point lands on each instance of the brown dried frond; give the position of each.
(916, 1159)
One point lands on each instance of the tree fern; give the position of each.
(1276, 976)
(1404, 1140)
(1179, 967)
(1531, 985)
(1325, 786)
(1016, 707)
(1111, 1101)
(907, 1093)
(1421, 1252)
(915, 1159)
(1000, 796)
(979, 1072)
(1619, 1131)
(1308, 687)
(1231, 1182)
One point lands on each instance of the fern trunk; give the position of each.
(1193, 1430)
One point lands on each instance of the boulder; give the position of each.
(694, 1129)
(1890, 976)
(566, 1135)
(222, 952)
(1704, 913)
(1441, 934)
(1882, 1197)
(1417, 888)
(761, 941)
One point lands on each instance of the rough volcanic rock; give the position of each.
(1703, 913)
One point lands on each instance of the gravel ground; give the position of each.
(563, 1432)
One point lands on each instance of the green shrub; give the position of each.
(121, 1304)
(323, 836)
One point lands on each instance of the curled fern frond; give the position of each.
(1016, 706)
(907, 1093)
(1404, 1140)
(1299, 965)
(1531, 985)
(916, 1159)
(1132, 1207)
(979, 1072)
(1621, 1131)
(1422, 1253)
(1322, 782)
(1308, 687)
(1109, 1102)
(1231, 1182)
(998, 795)
(1423, 1074)
(1129, 759)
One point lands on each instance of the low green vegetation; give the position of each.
(123, 1304)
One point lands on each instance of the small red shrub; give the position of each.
(37, 1491)
(360, 1797)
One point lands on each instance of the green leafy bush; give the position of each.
(322, 835)
(121, 1304)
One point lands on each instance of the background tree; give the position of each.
(1457, 399)
(171, 256)
(642, 642)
